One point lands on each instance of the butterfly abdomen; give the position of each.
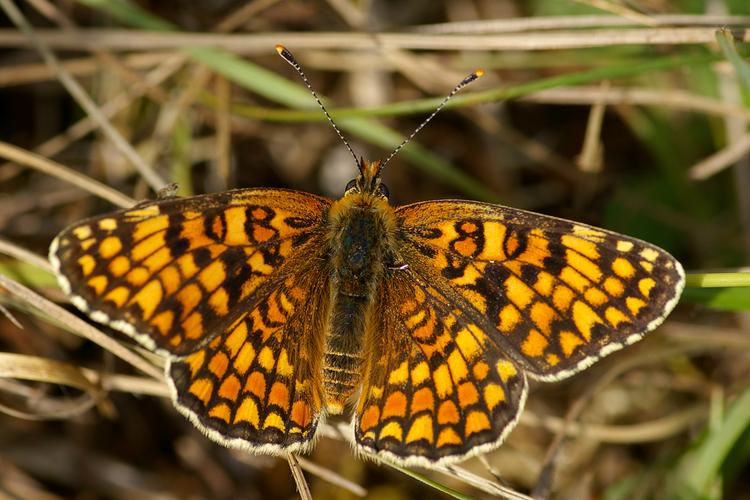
(360, 231)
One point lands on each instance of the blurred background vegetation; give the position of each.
(626, 115)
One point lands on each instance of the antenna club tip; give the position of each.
(280, 48)
(478, 72)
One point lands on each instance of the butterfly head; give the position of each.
(368, 181)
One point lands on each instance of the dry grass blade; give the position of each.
(622, 11)
(12, 75)
(80, 327)
(299, 478)
(223, 129)
(258, 43)
(354, 16)
(18, 366)
(131, 384)
(590, 159)
(481, 483)
(50, 409)
(235, 19)
(92, 382)
(676, 99)
(709, 337)
(23, 157)
(721, 159)
(24, 367)
(645, 432)
(331, 476)
(5, 312)
(20, 253)
(51, 12)
(512, 25)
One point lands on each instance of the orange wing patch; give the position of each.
(435, 388)
(257, 385)
(174, 271)
(557, 295)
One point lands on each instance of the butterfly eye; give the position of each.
(383, 191)
(350, 185)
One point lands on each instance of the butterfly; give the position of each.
(277, 308)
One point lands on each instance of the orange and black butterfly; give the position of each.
(276, 308)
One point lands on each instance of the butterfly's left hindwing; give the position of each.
(552, 294)
(257, 385)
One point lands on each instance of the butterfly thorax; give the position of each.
(361, 229)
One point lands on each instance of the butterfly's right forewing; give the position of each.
(555, 295)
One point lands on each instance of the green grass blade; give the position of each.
(726, 299)
(712, 280)
(429, 482)
(261, 81)
(699, 471)
(129, 13)
(27, 274)
(722, 290)
(725, 38)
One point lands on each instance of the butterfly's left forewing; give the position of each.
(553, 295)
(171, 273)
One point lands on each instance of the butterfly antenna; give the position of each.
(476, 74)
(289, 57)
